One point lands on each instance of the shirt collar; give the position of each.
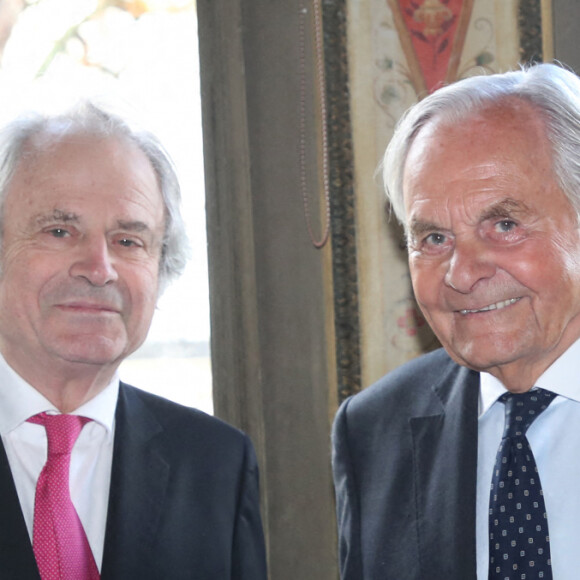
(19, 401)
(558, 378)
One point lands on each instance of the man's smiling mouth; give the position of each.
(496, 306)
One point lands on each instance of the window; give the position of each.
(146, 53)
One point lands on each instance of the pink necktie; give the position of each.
(59, 541)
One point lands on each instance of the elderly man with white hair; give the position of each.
(463, 464)
(97, 478)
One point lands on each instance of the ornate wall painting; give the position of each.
(432, 35)
(391, 45)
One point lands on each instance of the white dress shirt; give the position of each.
(92, 455)
(555, 441)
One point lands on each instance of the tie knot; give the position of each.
(61, 430)
(522, 409)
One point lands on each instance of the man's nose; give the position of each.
(94, 262)
(470, 263)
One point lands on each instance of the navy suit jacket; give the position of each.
(183, 500)
(405, 469)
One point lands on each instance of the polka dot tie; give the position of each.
(519, 543)
(59, 541)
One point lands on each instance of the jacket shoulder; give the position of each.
(410, 378)
(420, 386)
(177, 421)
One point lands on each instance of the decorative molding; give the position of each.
(530, 29)
(340, 157)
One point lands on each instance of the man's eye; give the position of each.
(504, 226)
(430, 242)
(129, 243)
(435, 239)
(58, 232)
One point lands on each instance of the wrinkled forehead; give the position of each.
(498, 152)
(516, 113)
(83, 160)
(496, 129)
(39, 148)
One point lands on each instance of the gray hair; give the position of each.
(553, 92)
(88, 118)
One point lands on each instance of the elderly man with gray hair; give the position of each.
(463, 464)
(97, 478)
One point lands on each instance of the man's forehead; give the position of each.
(64, 181)
(477, 129)
(497, 144)
(68, 152)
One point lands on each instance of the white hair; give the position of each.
(553, 92)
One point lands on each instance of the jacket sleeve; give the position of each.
(347, 500)
(248, 552)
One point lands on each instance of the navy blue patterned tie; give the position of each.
(519, 543)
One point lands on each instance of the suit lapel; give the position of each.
(445, 467)
(16, 555)
(138, 489)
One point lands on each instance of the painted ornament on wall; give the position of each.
(432, 35)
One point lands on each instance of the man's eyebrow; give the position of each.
(417, 228)
(505, 208)
(56, 216)
(133, 226)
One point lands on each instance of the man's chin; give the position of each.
(99, 352)
(483, 357)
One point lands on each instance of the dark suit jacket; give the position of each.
(405, 468)
(183, 500)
